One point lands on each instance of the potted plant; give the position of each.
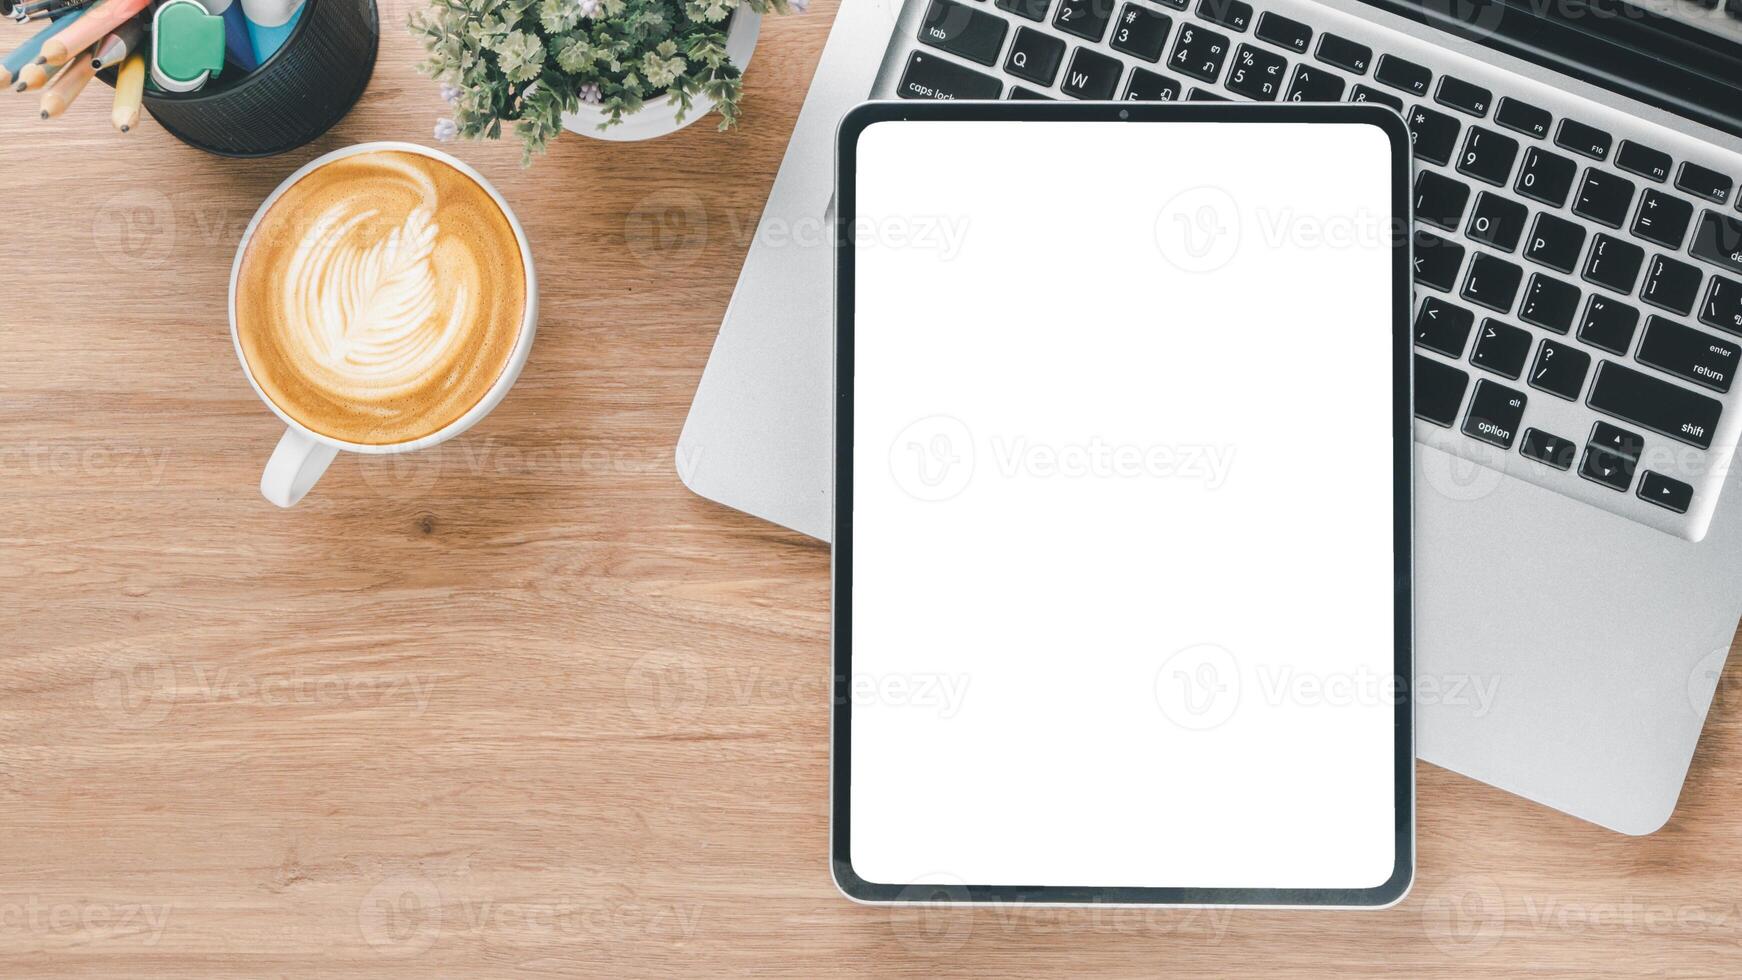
(615, 69)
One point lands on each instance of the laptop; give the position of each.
(1578, 323)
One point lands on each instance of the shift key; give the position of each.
(1633, 396)
(928, 77)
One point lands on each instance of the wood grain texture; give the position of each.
(523, 705)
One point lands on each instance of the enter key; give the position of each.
(1688, 353)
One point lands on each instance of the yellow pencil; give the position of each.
(129, 89)
(67, 84)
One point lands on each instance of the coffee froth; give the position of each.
(380, 297)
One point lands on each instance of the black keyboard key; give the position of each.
(1086, 19)
(1671, 284)
(1665, 491)
(1580, 138)
(1603, 197)
(1637, 158)
(1022, 93)
(1199, 52)
(1546, 177)
(1367, 93)
(1689, 354)
(1205, 95)
(1487, 155)
(1651, 403)
(1440, 200)
(1405, 75)
(1612, 471)
(1442, 327)
(1257, 73)
(1146, 86)
(1662, 219)
(1284, 32)
(1522, 117)
(1497, 221)
(1491, 282)
(1348, 55)
(1559, 369)
(1617, 440)
(1463, 96)
(1436, 261)
(1718, 240)
(1722, 307)
(1232, 14)
(1175, 4)
(1091, 75)
(927, 77)
(1704, 182)
(1433, 135)
(1501, 348)
(961, 30)
(1549, 303)
(1555, 242)
(1141, 32)
(1608, 324)
(1546, 448)
(1032, 9)
(1495, 411)
(1439, 390)
(1314, 84)
(1614, 263)
(1035, 56)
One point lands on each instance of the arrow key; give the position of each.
(1664, 492)
(1602, 466)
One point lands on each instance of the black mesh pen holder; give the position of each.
(307, 85)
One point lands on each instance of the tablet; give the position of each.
(1122, 585)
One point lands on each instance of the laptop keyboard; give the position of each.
(1578, 318)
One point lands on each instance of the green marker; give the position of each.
(187, 45)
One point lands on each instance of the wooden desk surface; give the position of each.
(523, 705)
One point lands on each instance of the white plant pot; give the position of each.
(658, 116)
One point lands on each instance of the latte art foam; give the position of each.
(380, 297)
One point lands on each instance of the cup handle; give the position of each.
(294, 467)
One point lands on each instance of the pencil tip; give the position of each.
(45, 113)
(125, 128)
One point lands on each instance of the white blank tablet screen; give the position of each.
(1122, 493)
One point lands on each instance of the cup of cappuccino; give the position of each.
(383, 300)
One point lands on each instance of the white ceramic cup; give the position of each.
(303, 454)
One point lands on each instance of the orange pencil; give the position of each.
(102, 19)
(33, 77)
(67, 84)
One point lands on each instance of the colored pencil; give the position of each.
(25, 54)
(129, 89)
(67, 84)
(102, 18)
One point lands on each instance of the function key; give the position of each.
(1663, 491)
(1091, 75)
(1495, 411)
(1722, 307)
(1439, 390)
(1608, 324)
(1314, 84)
(1612, 471)
(1406, 75)
(1718, 240)
(1662, 218)
(1433, 135)
(1442, 327)
(1032, 9)
(1487, 155)
(1199, 53)
(1232, 14)
(1147, 86)
(1141, 32)
(1284, 32)
(1257, 73)
(1707, 183)
(1637, 158)
(1086, 19)
(961, 30)
(1580, 138)
(1345, 54)
(926, 77)
(1035, 56)
(1367, 93)
(1522, 117)
(1617, 440)
(1603, 197)
(1463, 96)
(1546, 448)
(1614, 263)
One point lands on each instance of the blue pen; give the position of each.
(269, 23)
(25, 53)
(236, 42)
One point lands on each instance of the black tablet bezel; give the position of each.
(852, 126)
